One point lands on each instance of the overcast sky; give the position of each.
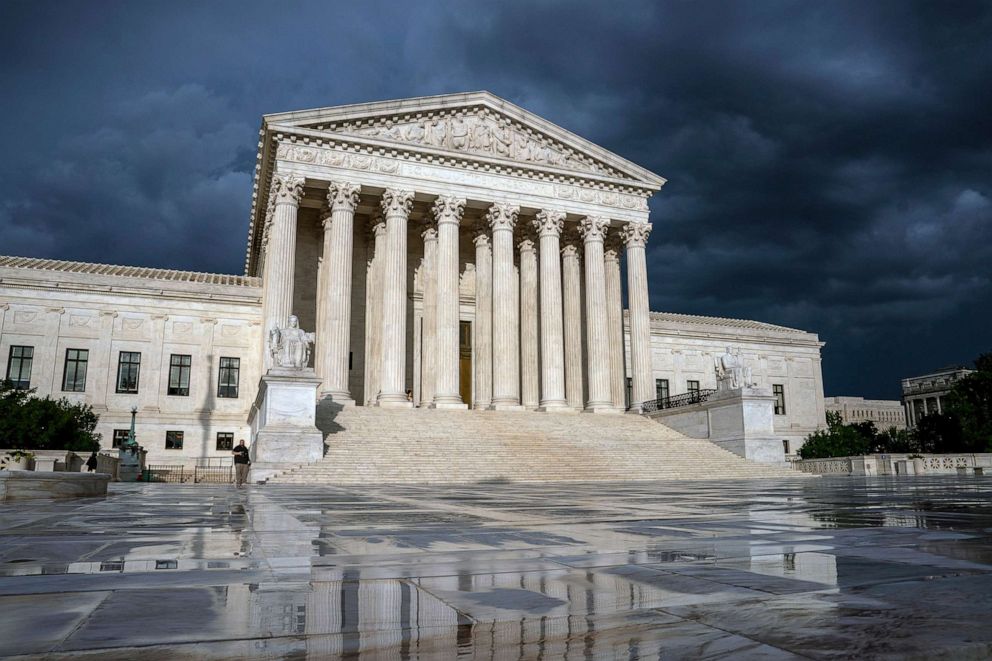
(828, 163)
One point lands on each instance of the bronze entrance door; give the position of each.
(465, 361)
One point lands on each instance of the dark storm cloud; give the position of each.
(828, 163)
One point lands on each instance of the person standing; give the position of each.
(91, 462)
(241, 463)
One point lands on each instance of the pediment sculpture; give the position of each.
(479, 132)
(290, 346)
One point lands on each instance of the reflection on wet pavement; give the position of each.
(856, 568)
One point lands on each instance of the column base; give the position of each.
(555, 407)
(405, 404)
(340, 398)
(455, 406)
(602, 408)
(505, 406)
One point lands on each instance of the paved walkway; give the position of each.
(816, 568)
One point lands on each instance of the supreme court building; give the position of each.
(453, 252)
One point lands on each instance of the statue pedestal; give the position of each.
(739, 420)
(282, 419)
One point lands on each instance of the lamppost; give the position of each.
(129, 455)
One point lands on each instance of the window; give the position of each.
(630, 390)
(179, 374)
(692, 386)
(120, 437)
(74, 376)
(785, 445)
(225, 440)
(227, 381)
(173, 440)
(19, 366)
(128, 366)
(661, 388)
(779, 391)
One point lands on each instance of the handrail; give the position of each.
(675, 401)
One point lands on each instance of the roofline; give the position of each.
(116, 270)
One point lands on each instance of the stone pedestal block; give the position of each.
(740, 420)
(283, 422)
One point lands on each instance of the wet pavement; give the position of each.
(805, 568)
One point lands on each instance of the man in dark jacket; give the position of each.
(241, 463)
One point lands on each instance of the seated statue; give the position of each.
(731, 372)
(290, 346)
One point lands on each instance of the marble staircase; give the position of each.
(426, 446)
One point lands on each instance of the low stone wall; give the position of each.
(26, 485)
(900, 464)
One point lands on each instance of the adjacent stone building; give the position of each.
(449, 252)
(884, 413)
(923, 395)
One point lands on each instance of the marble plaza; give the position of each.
(819, 568)
(452, 252)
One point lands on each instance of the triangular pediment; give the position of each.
(479, 124)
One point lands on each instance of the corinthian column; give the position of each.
(448, 213)
(641, 369)
(614, 321)
(572, 308)
(373, 312)
(428, 332)
(549, 224)
(334, 321)
(482, 327)
(396, 206)
(506, 359)
(593, 233)
(529, 357)
(280, 258)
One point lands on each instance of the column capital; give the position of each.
(326, 217)
(377, 225)
(481, 237)
(429, 233)
(526, 244)
(611, 247)
(397, 202)
(635, 235)
(593, 228)
(502, 216)
(343, 195)
(448, 209)
(570, 250)
(549, 222)
(287, 189)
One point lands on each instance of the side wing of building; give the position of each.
(182, 347)
(786, 360)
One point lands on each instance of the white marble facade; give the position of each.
(452, 252)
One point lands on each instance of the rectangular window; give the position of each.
(19, 366)
(227, 380)
(74, 376)
(128, 366)
(785, 445)
(692, 386)
(179, 374)
(120, 437)
(225, 440)
(630, 390)
(173, 440)
(661, 388)
(779, 391)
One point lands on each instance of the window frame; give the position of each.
(120, 368)
(230, 441)
(20, 383)
(115, 442)
(778, 390)
(77, 362)
(171, 435)
(183, 369)
(662, 386)
(692, 386)
(224, 389)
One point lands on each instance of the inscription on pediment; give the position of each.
(476, 131)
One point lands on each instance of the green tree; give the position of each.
(43, 423)
(970, 404)
(838, 439)
(894, 440)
